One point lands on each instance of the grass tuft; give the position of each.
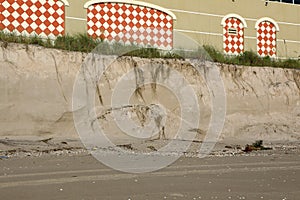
(84, 43)
(250, 58)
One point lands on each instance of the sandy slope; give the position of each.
(36, 86)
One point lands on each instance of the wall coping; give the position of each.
(267, 19)
(235, 16)
(65, 2)
(138, 3)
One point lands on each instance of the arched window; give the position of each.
(233, 34)
(33, 17)
(130, 22)
(266, 29)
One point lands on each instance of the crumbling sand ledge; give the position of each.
(36, 94)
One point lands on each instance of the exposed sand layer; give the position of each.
(36, 86)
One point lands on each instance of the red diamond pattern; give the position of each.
(233, 44)
(266, 39)
(130, 24)
(33, 17)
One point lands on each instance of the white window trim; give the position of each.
(282, 2)
(234, 16)
(65, 2)
(267, 19)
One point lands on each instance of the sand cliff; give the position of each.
(36, 86)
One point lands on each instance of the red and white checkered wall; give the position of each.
(233, 41)
(266, 39)
(124, 22)
(45, 18)
(130, 24)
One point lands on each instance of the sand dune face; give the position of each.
(36, 86)
(262, 102)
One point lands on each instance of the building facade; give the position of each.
(270, 28)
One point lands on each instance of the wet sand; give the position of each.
(57, 171)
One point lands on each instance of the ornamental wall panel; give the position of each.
(130, 24)
(233, 36)
(35, 17)
(266, 39)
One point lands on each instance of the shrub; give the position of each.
(250, 58)
(84, 43)
(79, 42)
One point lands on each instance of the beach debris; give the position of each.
(152, 148)
(125, 146)
(233, 147)
(257, 145)
(3, 157)
(46, 140)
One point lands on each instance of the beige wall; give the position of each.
(201, 20)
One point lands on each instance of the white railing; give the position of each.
(286, 1)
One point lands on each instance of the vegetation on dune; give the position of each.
(78, 42)
(250, 58)
(13, 38)
(84, 43)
